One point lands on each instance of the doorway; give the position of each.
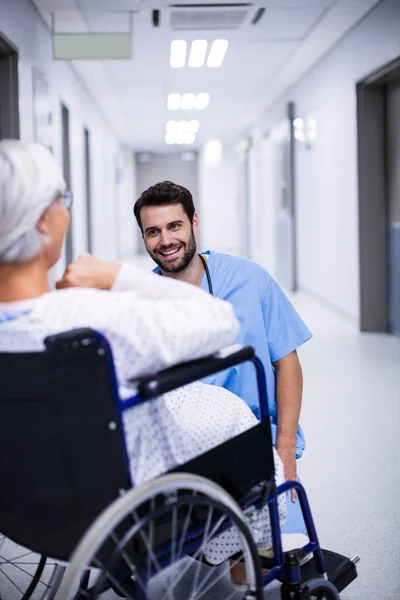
(88, 189)
(378, 114)
(9, 96)
(67, 173)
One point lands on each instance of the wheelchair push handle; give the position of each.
(188, 372)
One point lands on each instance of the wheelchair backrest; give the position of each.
(63, 455)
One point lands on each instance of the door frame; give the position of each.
(372, 196)
(9, 89)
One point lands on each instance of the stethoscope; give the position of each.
(207, 272)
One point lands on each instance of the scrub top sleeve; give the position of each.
(285, 330)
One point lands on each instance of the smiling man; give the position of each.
(168, 221)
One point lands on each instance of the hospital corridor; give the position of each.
(199, 299)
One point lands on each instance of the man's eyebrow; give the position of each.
(150, 228)
(177, 222)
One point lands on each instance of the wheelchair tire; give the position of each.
(170, 507)
(24, 573)
(321, 589)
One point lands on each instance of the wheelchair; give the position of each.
(66, 492)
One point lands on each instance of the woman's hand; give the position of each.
(90, 272)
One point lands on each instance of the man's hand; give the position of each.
(288, 457)
(90, 272)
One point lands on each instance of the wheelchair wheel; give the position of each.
(149, 544)
(24, 574)
(321, 589)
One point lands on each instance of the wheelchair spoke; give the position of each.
(174, 527)
(115, 582)
(22, 556)
(151, 538)
(215, 581)
(199, 551)
(11, 581)
(186, 526)
(11, 563)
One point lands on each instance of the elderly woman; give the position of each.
(156, 324)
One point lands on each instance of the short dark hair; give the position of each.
(165, 192)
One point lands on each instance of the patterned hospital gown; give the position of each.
(151, 326)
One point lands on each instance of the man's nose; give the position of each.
(167, 238)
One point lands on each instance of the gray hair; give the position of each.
(30, 180)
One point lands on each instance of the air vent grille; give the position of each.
(194, 19)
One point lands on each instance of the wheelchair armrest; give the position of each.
(185, 373)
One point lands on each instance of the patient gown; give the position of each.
(153, 325)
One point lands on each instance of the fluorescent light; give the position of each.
(174, 102)
(179, 138)
(181, 132)
(193, 126)
(217, 53)
(171, 127)
(201, 101)
(298, 123)
(189, 138)
(197, 53)
(182, 126)
(177, 58)
(170, 138)
(188, 101)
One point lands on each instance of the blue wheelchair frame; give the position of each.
(280, 569)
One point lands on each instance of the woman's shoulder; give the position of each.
(73, 302)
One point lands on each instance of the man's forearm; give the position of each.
(289, 390)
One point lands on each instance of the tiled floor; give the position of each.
(351, 417)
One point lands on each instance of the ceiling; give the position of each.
(262, 60)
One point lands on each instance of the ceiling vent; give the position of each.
(208, 17)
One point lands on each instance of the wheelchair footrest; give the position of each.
(341, 570)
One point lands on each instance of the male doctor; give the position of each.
(166, 216)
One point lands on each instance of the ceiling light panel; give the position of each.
(201, 101)
(217, 53)
(177, 58)
(188, 101)
(174, 102)
(197, 54)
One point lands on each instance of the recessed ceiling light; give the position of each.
(170, 138)
(193, 126)
(217, 53)
(171, 127)
(197, 53)
(189, 138)
(174, 102)
(181, 132)
(188, 101)
(177, 58)
(201, 101)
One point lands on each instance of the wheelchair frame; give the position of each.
(285, 567)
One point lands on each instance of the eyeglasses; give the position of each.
(66, 199)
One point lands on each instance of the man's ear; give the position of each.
(195, 222)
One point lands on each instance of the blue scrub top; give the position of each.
(268, 321)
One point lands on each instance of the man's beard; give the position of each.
(189, 250)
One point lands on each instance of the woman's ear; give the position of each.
(43, 222)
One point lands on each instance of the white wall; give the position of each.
(221, 194)
(327, 173)
(23, 26)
